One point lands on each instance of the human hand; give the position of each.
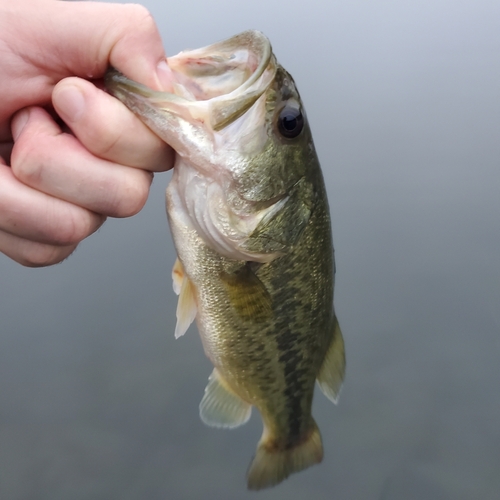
(57, 185)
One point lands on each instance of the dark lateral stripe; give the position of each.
(290, 357)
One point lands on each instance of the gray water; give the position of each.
(97, 399)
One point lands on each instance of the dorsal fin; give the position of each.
(331, 374)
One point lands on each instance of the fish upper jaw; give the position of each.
(211, 88)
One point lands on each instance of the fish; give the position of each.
(249, 216)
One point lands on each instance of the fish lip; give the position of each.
(216, 112)
(118, 82)
(253, 40)
(122, 87)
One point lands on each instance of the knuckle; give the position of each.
(103, 142)
(66, 234)
(130, 199)
(70, 228)
(42, 255)
(142, 18)
(27, 162)
(109, 147)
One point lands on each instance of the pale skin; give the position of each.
(70, 154)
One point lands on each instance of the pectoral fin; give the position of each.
(221, 407)
(177, 276)
(186, 305)
(247, 294)
(332, 371)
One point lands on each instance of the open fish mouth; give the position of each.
(213, 86)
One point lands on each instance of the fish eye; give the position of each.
(290, 122)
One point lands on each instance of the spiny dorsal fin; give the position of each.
(186, 305)
(247, 294)
(221, 407)
(332, 371)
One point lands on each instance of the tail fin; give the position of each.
(273, 464)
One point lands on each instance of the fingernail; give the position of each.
(164, 74)
(19, 122)
(70, 103)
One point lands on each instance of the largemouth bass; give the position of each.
(249, 215)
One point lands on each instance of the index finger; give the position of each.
(107, 128)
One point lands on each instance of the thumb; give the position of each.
(84, 38)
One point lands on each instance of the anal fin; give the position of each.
(221, 407)
(332, 370)
(186, 305)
